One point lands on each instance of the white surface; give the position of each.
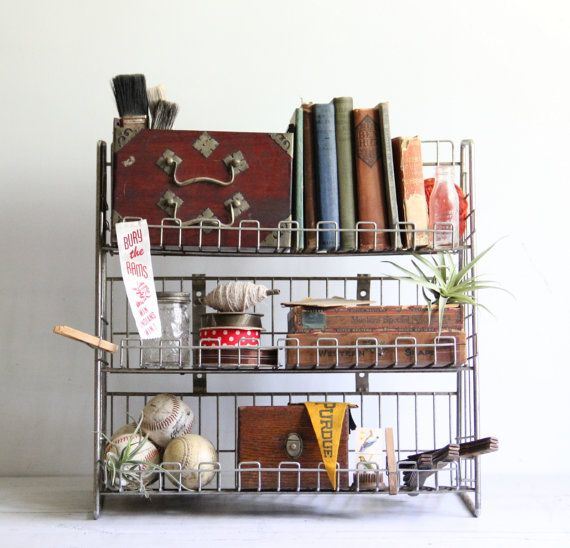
(492, 71)
(48, 512)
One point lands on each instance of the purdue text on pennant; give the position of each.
(136, 267)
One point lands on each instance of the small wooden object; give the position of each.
(391, 463)
(90, 340)
(263, 434)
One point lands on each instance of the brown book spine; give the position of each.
(412, 202)
(369, 180)
(332, 355)
(373, 318)
(309, 187)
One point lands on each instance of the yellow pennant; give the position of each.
(327, 419)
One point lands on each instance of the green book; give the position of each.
(389, 176)
(345, 168)
(298, 168)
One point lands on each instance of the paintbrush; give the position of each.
(131, 98)
(164, 115)
(154, 95)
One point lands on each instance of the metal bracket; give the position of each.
(363, 287)
(362, 294)
(362, 381)
(199, 381)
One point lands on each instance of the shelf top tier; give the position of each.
(247, 237)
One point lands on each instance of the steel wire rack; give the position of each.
(422, 419)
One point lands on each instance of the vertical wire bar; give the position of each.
(218, 426)
(398, 424)
(434, 423)
(98, 354)
(236, 429)
(111, 430)
(416, 420)
(272, 313)
(111, 328)
(199, 414)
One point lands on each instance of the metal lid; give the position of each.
(232, 320)
(172, 297)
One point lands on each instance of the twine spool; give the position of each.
(237, 296)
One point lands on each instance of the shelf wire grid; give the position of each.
(426, 433)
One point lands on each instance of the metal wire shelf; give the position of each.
(368, 353)
(422, 419)
(167, 479)
(170, 234)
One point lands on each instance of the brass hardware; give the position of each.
(239, 202)
(284, 140)
(205, 144)
(169, 163)
(294, 445)
(236, 205)
(170, 203)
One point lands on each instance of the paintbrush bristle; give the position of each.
(130, 94)
(165, 114)
(154, 95)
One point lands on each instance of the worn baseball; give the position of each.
(126, 429)
(192, 452)
(144, 451)
(166, 417)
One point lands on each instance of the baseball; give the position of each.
(190, 451)
(166, 417)
(126, 429)
(142, 450)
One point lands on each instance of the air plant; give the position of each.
(123, 466)
(443, 283)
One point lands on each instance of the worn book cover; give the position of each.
(309, 188)
(345, 168)
(298, 208)
(369, 182)
(327, 178)
(412, 201)
(389, 176)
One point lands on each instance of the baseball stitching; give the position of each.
(167, 421)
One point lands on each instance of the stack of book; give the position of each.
(356, 188)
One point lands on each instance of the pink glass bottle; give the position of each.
(444, 210)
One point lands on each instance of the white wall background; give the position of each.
(495, 71)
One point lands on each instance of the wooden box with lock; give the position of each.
(283, 437)
(202, 180)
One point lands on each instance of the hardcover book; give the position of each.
(369, 182)
(309, 188)
(298, 209)
(410, 183)
(327, 179)
(345, 168)
(389, 177)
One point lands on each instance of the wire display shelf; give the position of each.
(423, 417)
(405, 352)
(443, 480)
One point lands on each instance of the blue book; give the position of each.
(327, 176)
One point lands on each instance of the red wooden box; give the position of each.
(147, 163)
(263, 433)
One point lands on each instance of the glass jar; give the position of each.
(172, 349)
(444, 210)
